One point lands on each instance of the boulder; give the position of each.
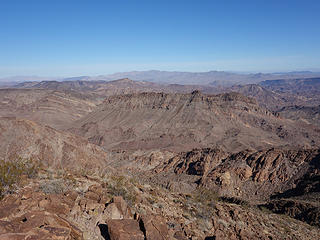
(124, 229)
(38, 225)
(155, 227)
(118, 209)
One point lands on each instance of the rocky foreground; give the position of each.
(70, 205)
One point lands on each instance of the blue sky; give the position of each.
(69, 38)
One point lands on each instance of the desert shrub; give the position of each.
(264, 209)
(234, 200)
(53, 186)
(12, 171)
(120, 186)
(85, 171)
(201, 203)
(206, 196)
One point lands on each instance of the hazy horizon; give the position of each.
(44, 77)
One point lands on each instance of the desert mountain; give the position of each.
(85, 85)
(273, 98)
(307, 88)
(26, 139)
(300, 85)
(302, 113)
(54, 108)
(266, 94)
(115, 87)
(20, 79)
(265, 97)
(184, 121)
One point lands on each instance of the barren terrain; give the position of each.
(142, 160)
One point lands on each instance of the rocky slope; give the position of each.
(249, 175)
(285, 181)
(184, 121)
(310, 115)
(268, 98)
(26, 139)
(72, 206)
(298, 85)
(308, 88)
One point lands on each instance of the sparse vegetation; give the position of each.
(234, 200)
(53, 186)
(120, 186)
(11, 173)
(265, 210)
(201, 204)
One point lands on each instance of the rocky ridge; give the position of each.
(310, 115)
(178, 122)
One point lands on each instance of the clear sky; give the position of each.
(78, 37)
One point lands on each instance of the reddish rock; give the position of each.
(180, 236)
(13, 236)
(155, 227)
(124, 229)
(118, 209)
(38, 225)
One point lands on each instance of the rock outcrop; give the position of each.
(251, 175)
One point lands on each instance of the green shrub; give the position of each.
(12, 171)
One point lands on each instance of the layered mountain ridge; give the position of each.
(179, 121)
(50, 107)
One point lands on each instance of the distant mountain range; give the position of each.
(213, 78)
